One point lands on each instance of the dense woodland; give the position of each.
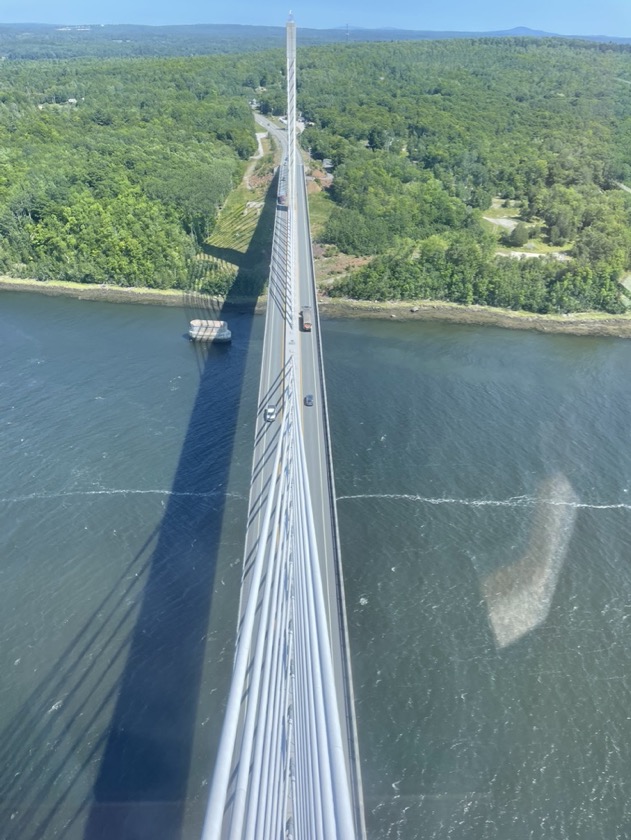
(113, 171)
(422, 136)
(32, 42)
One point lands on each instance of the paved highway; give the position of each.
(313, 418)
(310, 382)
(316, 436)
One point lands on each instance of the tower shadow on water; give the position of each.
(140, 790)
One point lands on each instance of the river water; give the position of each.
(484, 484)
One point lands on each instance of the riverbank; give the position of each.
(586, 323)
(123, 294)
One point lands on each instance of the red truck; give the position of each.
(306, 318)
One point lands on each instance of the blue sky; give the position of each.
(567, 17)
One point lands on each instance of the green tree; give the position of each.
(519, 235)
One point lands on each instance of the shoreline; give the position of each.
(123, 294)
(584, 323)
(587, 323)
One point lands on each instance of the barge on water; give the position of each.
(217, 331)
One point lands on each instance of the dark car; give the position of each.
(309, 399)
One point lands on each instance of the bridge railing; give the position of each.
(247, 673)
(354, 764)
(281, 768)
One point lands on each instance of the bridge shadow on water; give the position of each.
(140, 791)
(150, 627)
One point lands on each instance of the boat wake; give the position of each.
(513, 501)
(124, 492)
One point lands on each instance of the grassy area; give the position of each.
(501, 219)
(237, 220)
(538, 247)
(625, 282)
(497, 210)
(320, 208)
(230, 249)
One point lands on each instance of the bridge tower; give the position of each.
(287, 763)
(291, 108)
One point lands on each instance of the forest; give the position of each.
(32, 42)
(114, 170)
(424, 137)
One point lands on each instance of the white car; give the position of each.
(270, 413)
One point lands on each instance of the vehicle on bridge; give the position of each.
(309, 399)
(269, 415)
(305, 316)
(282, 202)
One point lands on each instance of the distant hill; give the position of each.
(41, 41)
(434, 35)
(356, 34)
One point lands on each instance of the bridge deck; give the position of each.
(318, 452)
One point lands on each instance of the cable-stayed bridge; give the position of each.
(288, 763)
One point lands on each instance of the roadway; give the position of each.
(317, 445)
(310, 382)
(314, 422)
